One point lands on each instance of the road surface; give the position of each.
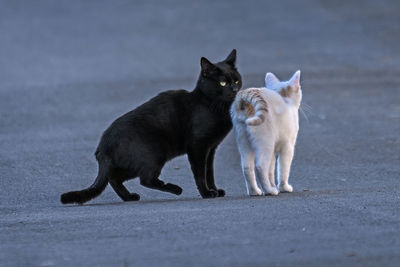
(69, 68)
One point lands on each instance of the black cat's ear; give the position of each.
(206, 65)
(231, 59)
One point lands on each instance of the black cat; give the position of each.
(173, 123)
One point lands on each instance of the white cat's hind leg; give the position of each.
(250, 178)
(271, 173)
(285, 161)
(247, 160)
(263, 163)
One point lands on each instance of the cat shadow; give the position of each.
(296, 194)
(155, 201)
(140, 202)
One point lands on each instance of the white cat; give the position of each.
(266, 122)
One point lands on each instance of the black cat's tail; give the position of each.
(92, 191)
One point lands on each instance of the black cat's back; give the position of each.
(155, 127)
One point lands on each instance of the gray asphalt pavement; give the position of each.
(69, 68)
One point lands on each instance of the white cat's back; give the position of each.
(275, 102)
(284, 115)
(281, 120)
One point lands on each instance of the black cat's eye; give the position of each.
(222, 83)
(236, 82)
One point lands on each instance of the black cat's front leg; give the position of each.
(198, 160)
(210, 173)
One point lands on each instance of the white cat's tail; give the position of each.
(250, 106)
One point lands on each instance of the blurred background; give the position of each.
(69, 68)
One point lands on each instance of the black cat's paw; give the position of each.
(173, 188)
(209, 194)
(221, 192)
(133, 197)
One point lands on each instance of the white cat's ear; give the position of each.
(295, 80)
(270, 79)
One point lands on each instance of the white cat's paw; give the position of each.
(255, 192)
(286, 188)
(273, 191)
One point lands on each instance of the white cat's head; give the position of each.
(290, 89)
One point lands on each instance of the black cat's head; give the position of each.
(220, 81)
